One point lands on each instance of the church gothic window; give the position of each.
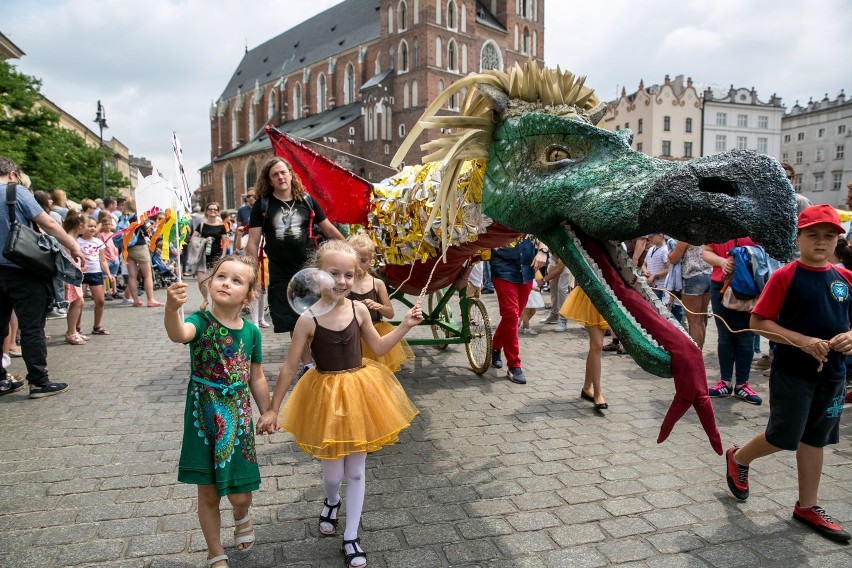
(228, 184)
(414, 93)
(349, 84)
(403, 57)
(452, 15)
(402, 11)
(415, 54)
(297, 101)
(251, 174)
(439, 57)
(322, 93)
(452, 56)
(489, 57)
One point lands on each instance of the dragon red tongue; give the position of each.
(690, 377)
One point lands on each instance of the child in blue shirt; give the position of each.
(805, 307)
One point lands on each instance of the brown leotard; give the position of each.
(373, 294)
(337, 350)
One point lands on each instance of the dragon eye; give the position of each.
(561, 153)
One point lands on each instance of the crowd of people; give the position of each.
(347, 402)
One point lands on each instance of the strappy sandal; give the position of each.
(99, 331)
(245, 535)
(211, 562)
(74, 339)
(327, 518)
(358, 552)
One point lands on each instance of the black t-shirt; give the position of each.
(215, 232)
(286, 231)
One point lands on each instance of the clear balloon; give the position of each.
(310, 289)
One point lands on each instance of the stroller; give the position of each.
(164, 275)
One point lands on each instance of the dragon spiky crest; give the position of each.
(499, 95)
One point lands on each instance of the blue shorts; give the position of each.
(803, 410)
(93, 278)
(697, 285)
(114, 265)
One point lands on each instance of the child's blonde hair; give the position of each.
(361, 241)
(254, 280)
(333, 245)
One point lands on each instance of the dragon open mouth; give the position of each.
(643, 324)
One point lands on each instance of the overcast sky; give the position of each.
(158, 64)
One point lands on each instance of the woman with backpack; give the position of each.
(138, 257)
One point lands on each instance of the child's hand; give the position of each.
(268, 423)
(176, 295)
(817, 348)
(371, 305)
(842, 342)
(413, 317)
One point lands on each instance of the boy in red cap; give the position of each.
(807, 303)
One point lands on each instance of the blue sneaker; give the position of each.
(720, 389)
(516, 375)
(745, 393)
(496, 359)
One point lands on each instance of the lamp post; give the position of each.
(100, 119)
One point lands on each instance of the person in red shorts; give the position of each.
(805, 307)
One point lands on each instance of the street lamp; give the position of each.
(100, 119)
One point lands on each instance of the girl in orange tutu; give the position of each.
(346, 406)
(579, 308)
(374, 294)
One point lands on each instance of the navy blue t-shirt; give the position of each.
(813, 301)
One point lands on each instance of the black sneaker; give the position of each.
(496, 359)
(10, 384)
(47, 388)
(516, 375)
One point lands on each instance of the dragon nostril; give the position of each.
(716, 185)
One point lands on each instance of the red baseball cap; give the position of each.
(816, 214)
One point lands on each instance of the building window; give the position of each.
(688, 127)
(667, 124)
(721, 119)
(452, 57)
(742, 120)
(839, 152)
(721, 142)
(784, 157)
(639, 126)
(763, 122)
(687, 149)
(391, 58)
(638, 146)
(800, 136)
(742, 143)
(402, 15)
(415, 54)
(322, 93)
(228, 186)
(251, 174)
(762, 145)
(841, 128)
(452, 15)
(414, 93)
(798, 156)
(786, 138)
(818, 179)
(453, 103)
(527, 47)
(490, 57)
(405, 101)
(836, 181)
(403, 57)
(439, 56)
(297, 102)
(349, 84)
(667, 147)
(821, 133)
(820, 155)
(270, 104)
(797, 183)
(390, 20)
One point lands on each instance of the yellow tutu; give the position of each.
(579, 308)
(393, 359)
(335, 414)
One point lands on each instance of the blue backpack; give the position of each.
(752, 269)
(118, 240)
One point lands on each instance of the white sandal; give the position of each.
(245, 535)
(218, 559)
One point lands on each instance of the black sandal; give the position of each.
(359, 553)
(327, 518)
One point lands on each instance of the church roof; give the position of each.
(309, 128)
(340, 28)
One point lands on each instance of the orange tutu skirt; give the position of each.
(393, 359)
(335, 414)
(579, 308)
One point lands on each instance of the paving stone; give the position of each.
(573, 535)
(149, 545)
(421, 535)
(470, 551)
(90, 552)
(413, 558)
(577, 557)
(731, 554)
(675, 542)
(523, 543)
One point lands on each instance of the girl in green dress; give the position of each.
(218, 451)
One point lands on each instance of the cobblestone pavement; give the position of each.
(490, 474)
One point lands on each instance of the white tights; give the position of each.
(256, 306)
(353, 468)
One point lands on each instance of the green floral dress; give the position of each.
(218, 432)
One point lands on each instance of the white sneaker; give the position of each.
(6, 360)
(528, 331)
(560, 327)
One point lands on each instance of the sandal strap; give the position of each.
(216, 559)
(358, 551)
(331, 509)
(245, 519)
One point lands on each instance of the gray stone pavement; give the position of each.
(490, 474)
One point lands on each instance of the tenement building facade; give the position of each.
(354, 79)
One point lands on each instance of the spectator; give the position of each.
(512, 272)
(244, 212)
(561, 283)
(696, 288)
(212, 229)
(60, 204)
(138, 260)
(26, 293)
